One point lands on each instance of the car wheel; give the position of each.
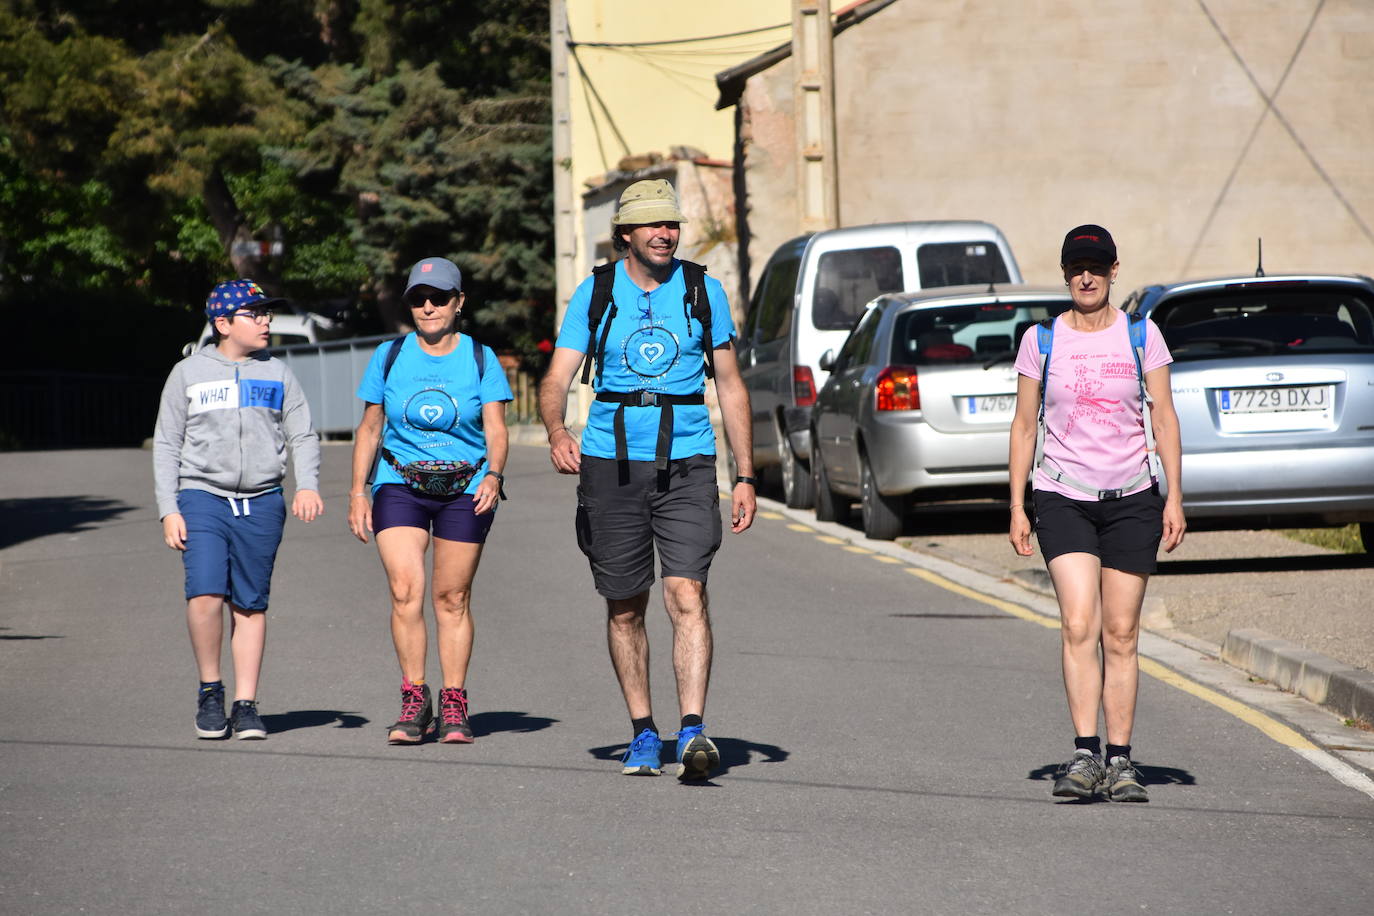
(797, 491)
(882, 515)
(1367, 536)
(830, 506)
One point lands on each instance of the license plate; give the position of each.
(1276, 400)
(990, 406)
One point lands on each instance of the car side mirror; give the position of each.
(827, 362)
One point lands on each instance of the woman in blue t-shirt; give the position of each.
(434, 428)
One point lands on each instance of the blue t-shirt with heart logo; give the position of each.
(433, 404)
(653, 345)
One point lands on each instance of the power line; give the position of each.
(673, 41)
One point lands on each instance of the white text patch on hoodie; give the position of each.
(228, 394)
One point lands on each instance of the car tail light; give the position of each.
(803, 386)
(896, 389)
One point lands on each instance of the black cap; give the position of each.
(1090, 242)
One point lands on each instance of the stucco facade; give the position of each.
(1188, 128)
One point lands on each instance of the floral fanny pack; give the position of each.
(435, 478)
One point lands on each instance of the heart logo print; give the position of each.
(651, 351)
(430, 413)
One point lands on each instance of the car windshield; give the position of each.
(988, 333)
(1270, 320)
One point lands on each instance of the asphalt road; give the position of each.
(888, 744)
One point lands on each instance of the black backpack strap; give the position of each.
(697, 304)
(603, 282)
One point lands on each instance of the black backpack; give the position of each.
(695, 304)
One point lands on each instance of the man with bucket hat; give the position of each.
(656, 328)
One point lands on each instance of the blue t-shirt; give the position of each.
(653, 345)
(433, 404)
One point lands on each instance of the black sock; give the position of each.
(1092, 745)
(638, 725)
(207, 686)
(1118, 750)
(689, 721)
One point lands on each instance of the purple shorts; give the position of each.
(395, 505)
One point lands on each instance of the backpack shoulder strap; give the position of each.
(697, 304)
(1044, 338)
(391, 353)
(479, 356)
(603, 284)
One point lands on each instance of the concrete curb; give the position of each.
(1346, 691)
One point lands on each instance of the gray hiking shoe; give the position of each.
(1122, 782)
(1080, 777)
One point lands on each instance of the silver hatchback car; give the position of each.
(920, 399)
(1273, 380)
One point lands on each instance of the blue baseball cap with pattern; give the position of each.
(231, 295)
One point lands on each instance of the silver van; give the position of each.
(809, 295)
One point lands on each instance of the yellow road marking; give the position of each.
(828, 539)
(884, 558)
(855, 548)
(795, 527)
(774, 516)
(1274, 729)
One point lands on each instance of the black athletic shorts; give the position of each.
(1123, 533)
(620, 523)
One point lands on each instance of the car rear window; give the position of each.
(973, 333)
(848, 280)
(1283, 321)
(958, 263)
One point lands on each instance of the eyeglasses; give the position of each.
(417, 299)
(258, 316)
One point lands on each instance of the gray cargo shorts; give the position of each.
(620, 523)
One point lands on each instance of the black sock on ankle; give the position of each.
(206, 686)
(638, 725)
(689, 721)
(1092, 745)
(1118, 750)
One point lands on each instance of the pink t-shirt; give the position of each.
(1094, 429)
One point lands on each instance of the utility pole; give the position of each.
(813, 64)
(564, 238)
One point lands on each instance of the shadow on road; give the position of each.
(311, 718)
(489, 723)
(1314, 563)
(733, 753)
(26, 519)
(19, 636)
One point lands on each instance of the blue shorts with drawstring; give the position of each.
(231, 545)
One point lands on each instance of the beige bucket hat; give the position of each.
(652, 200)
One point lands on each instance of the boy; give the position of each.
(228, 412)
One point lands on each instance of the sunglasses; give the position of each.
(416, 299)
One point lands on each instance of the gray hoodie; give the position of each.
(223, 427)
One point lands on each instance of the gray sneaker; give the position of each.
(1122, 782)
(1080, 777)
(245, 721)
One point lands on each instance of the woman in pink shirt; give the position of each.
(1100, 513)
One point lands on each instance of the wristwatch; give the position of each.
(749, 480)
(501, 478)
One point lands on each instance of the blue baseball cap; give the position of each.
(231, 295)
(440, 273)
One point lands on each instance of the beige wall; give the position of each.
(1134, 114)
(658, 97)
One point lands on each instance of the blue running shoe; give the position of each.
(644, 756)
(696, 753)
(210, 719)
